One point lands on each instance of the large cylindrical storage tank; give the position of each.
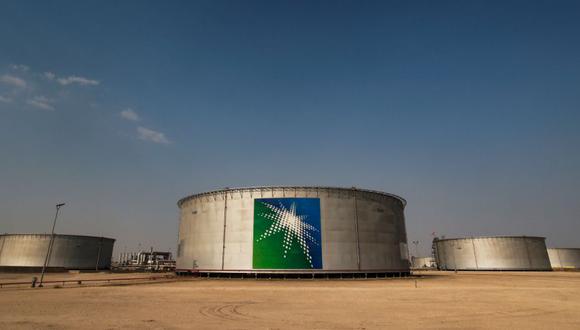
(28, 252)
(292, 230)
(492, 253)
(564, 258)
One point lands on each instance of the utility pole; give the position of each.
(49, 251)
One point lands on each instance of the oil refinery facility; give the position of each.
(145, 261)
(28, 252)
(293, 231)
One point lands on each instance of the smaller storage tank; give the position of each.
(492, 253)
(27, 252)
(564, 258)
(423, 263)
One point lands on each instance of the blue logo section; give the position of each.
(287, 233)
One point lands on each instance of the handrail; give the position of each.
(80, 281)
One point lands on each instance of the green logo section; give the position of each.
(287, 233)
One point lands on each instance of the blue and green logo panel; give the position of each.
(287, 233)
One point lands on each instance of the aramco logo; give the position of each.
(287, 233)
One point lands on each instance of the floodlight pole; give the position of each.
(48, 252)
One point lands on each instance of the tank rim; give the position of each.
(480, 237)
(56, 235)
(562, 248)
(227, 189)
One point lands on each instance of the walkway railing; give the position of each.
(32, 283)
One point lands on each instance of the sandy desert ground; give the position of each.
(440, 300)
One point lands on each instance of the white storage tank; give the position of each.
(564, 258)
(293, 230)
(492, 253)
(27, 252)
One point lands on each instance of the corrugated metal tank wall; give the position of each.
(492, 253)
(68, 252)
(212, 240)
(564, 258)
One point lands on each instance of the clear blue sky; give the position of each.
(470, 110)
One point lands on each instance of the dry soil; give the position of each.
(440, 300)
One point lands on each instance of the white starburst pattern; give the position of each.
(293, 226)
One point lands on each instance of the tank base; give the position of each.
(496, 270)
(292, 275)
(566, 269)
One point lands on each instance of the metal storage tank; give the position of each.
(564, 258)
(28, 252)
(423, 263)
(492, 253)
(293, 230)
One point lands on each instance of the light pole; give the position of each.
(46, 260)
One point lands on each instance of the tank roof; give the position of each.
(480, 237)
(227, 189)
(57, 235)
